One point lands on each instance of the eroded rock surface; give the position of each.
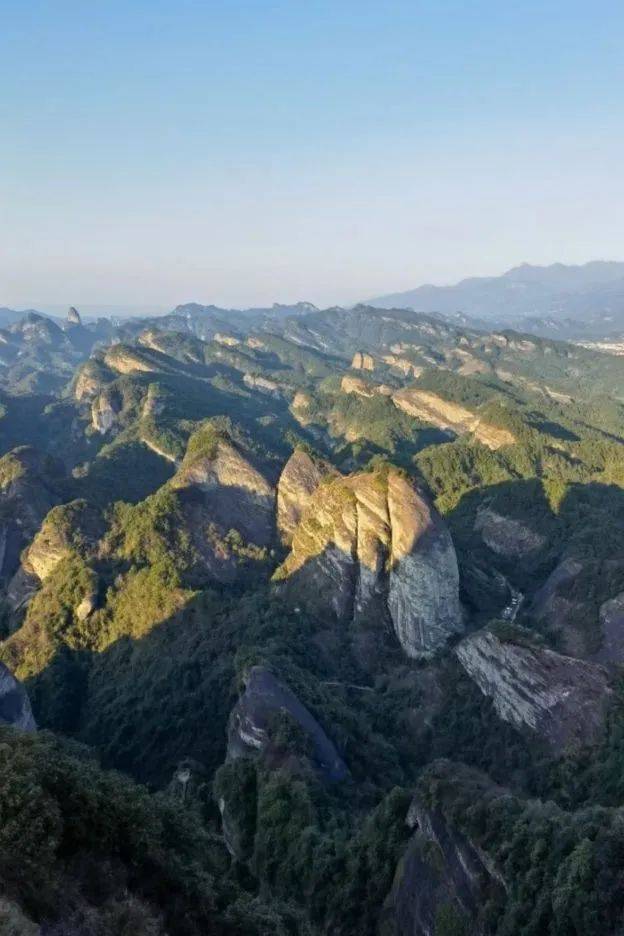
(254, 725)
(369, 547)
(562, 699)
(298, 481)
(441, 868)
(14, 703)
(451, 416)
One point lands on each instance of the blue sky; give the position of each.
(243, 153)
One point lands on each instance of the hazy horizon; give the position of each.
(244, 154)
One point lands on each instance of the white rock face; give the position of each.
(560, 698)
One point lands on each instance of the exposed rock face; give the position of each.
(262, 385)
(403, 364)
(66, 528)
(298, 481)
(440, 868)
(234, 494)
(254, 724)
(14, 703)
(26, 495)
(362, 361)
(104, 411)
(124, 359)
(229, 341)
(369, 547)
(451, 416)
(361, 388)
(506, 536)
(581, 603)
(611, 619)
(90, 379)
(562, 699)
(73, 316)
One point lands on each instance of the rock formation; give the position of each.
(233, 494)
(370, 548)
(73, 316)
(440, 868)
(362, 361)
(298, 481)
(27, 492)
(254, 726)
(562, 699)
(451, 416)
(506, 536)
(14, 703)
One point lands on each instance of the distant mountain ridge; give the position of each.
(557, 300)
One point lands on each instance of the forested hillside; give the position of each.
(319, 615)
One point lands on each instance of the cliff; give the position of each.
(559, 698)
(368, 548)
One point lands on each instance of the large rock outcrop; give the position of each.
(27, 492)
(559, 698)
(370, 548)
(231, 491)
(441, 875)
(14, 702)
(450, 416)
(298, 481)
(507, 536)
(261, 723)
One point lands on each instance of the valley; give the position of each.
(311, 623)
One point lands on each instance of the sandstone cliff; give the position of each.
(561, 699)
(298, 481)
(451, 416)
(370, 548)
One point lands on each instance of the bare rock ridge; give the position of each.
(370, 548)
(451, 416)
(14, 703)
(562, 699)
(73, 316)
(363, 361)
(254, 724)
(234, 493)
(440, 868)
(298, 481)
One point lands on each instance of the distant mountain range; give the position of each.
(553, 301)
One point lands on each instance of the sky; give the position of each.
(241, 153)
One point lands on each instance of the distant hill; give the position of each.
(558, 300)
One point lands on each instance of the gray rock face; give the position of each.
(14, 703)
(562, 699)
(440, 868)
(611, 619)
(253, 724)
(73, 316)
(369, 548)
(506, 536)
(298, 481)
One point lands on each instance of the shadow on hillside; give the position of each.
(149, 701)
(587, 522)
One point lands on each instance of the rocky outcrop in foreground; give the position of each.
(440, 870)
(14, 703)
(562, 699)
(369, 549)
(267, 719)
